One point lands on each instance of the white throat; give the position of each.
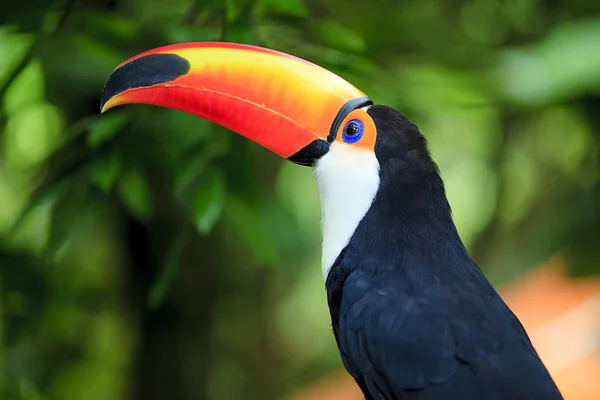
(347, 181)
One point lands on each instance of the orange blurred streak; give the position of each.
(562, 317)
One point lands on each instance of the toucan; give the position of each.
(413, 316)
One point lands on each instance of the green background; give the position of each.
(148, 254)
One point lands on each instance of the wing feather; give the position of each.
(401, 344)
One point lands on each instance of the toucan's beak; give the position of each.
(281, 102)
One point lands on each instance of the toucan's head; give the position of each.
(292, 107)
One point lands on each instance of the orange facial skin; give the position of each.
(369, 136)
(279, 101)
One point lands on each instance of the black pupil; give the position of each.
(352, 129)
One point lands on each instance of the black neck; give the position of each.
(410, 216)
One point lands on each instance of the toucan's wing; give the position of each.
(427, 340)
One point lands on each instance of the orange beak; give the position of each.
(286, 104)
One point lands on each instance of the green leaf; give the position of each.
(32, 134)
(181, 34)
(110, 27)
(135, 194)
(28, 87)
(251, 229)
(163, 283)
(290, 7)
(13, 48)
(12, 202)
(47, 196)
(194, 163)
(233, 8)
(105, 171)
(338, 36)
(208, 203)
(106, 127)
(565, 64)
(188, 173)
(27, 15)
(519, 171)
(67, 200)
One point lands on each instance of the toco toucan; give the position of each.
(412, 314)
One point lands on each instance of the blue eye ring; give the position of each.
(353, 131)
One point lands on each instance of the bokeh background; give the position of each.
(147, 254)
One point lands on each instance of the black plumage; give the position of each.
(413, 315)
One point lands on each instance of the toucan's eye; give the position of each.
(353, 131)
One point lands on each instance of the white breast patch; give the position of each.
(347, 181)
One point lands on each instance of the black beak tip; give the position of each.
(145, 71)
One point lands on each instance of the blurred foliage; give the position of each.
(148, 254)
